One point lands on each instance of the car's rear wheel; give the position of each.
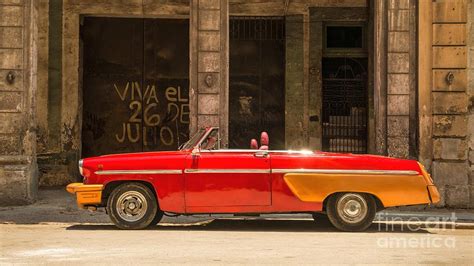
(351, 211)
(132, 206)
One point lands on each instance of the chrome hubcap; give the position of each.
(131, 206)
(352, 208)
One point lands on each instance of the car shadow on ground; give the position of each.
(259, 225)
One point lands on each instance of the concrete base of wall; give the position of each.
(58, 169)
(20, 176)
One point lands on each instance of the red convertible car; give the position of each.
(200, 178)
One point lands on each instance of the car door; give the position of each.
(217, 178)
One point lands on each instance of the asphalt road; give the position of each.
(232, 242)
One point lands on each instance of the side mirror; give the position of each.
(196, 152)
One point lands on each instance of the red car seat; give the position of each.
(264, 141)
(253, 144)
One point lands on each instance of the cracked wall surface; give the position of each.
(451, 101)
(18, 38)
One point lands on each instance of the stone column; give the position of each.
(315, 81)
(400, 73)
(295, 131)
(470, 92)
(379, 45)
(425, 125)
(18, 170)
(209, 65)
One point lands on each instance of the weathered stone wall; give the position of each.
(18, 171)
(470, 92)
(450, 102)
(42, 81)
(59, 112)
(401, 70)
(209, 65)
(295, 129)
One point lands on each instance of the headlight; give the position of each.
(81, 171)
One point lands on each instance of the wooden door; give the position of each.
(135, 84)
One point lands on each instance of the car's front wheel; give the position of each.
(351, 211)
(132, 206)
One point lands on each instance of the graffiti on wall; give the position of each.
(156, 116)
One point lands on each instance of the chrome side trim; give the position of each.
(256, 171)
(139, 172)
(346, 171)
(255, 151)
(227, 171)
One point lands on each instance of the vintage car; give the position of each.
(137, 189)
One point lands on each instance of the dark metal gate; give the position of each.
(257, 80)
(135, 84)
(345, 105)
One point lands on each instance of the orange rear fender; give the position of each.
(392, 190)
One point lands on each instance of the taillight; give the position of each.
(426, 175)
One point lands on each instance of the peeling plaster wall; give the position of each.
(18, 37)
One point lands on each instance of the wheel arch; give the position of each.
(110, 186)
(378, 202)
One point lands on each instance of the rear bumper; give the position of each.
(434, 194)
(86, 194)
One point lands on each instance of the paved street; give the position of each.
(53, 231)
(230, 242)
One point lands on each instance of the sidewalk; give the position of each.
(58, 206)
(459, 215)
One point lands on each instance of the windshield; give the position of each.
(193, 141)
(211, 142)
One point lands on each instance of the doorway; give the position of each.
(344, 89)
(256, 80)
(135, 84)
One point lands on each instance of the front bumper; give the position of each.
(86, 195)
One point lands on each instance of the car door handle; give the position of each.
(261, 154)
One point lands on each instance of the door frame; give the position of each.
(359, 53)
(319, 16)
